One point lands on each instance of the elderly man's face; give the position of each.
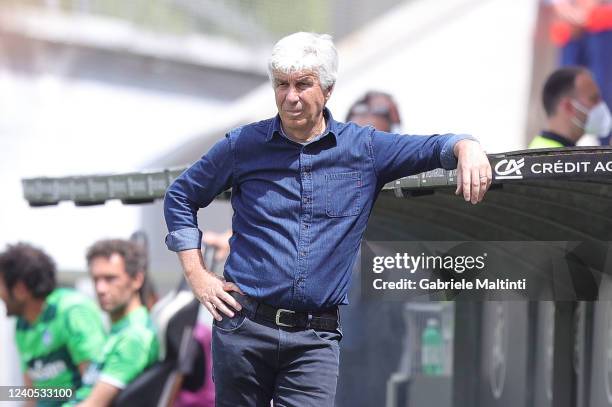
(300, 101)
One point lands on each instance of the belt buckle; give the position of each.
(278, 315)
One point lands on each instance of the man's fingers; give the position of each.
(229, 286)
(228, 299)
(485, 181)
(484, 184)
(212, 310)
(222, 307)
(459, 180)
(474, 175)
(465, 183)
(475, 184)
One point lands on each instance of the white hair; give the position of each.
(304, 51)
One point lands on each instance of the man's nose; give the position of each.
(293, 95)
(100, 286)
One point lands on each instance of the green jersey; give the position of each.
(131, 347)
(67, 332)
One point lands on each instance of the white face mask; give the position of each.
(598, 121)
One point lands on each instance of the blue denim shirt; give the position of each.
(299, 210)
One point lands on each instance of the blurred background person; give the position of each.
(373, 330)
(115, 267)
(377, 109)
(582, 30)
(218, 243)
(59, 331)
(573, 106)
(216, 249)
(148, 292)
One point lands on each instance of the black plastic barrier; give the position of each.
(523, 353)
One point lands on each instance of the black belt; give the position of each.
(326, 320)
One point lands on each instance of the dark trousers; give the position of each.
(255, 362)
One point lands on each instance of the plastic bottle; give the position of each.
(431, 349)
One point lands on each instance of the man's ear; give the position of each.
(138, 280)
(565, 105)
(20, 292)
(328, 92)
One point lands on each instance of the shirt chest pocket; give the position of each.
(343, 194)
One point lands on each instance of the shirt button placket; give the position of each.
(305, 219)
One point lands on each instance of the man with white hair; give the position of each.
(303, 186)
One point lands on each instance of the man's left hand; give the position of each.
(474, 174)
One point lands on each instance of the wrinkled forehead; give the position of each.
(295, 75)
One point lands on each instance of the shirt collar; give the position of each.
(558, 138)
(134, 315)
(331, 126)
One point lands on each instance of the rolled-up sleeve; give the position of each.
(184, 239)
(194, 189)
(396, 156)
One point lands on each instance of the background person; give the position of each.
(583, 31)
(116, 269)
(573, 106)
(373, 330)
(59, 331)
(377, 109)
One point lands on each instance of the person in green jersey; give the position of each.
(117, 268)
(573, 107)
(58, 331)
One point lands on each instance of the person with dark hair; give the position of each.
(573, 107)
(59, 331)
(118, 272)
(582, 29)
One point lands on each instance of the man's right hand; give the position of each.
(212, 291)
